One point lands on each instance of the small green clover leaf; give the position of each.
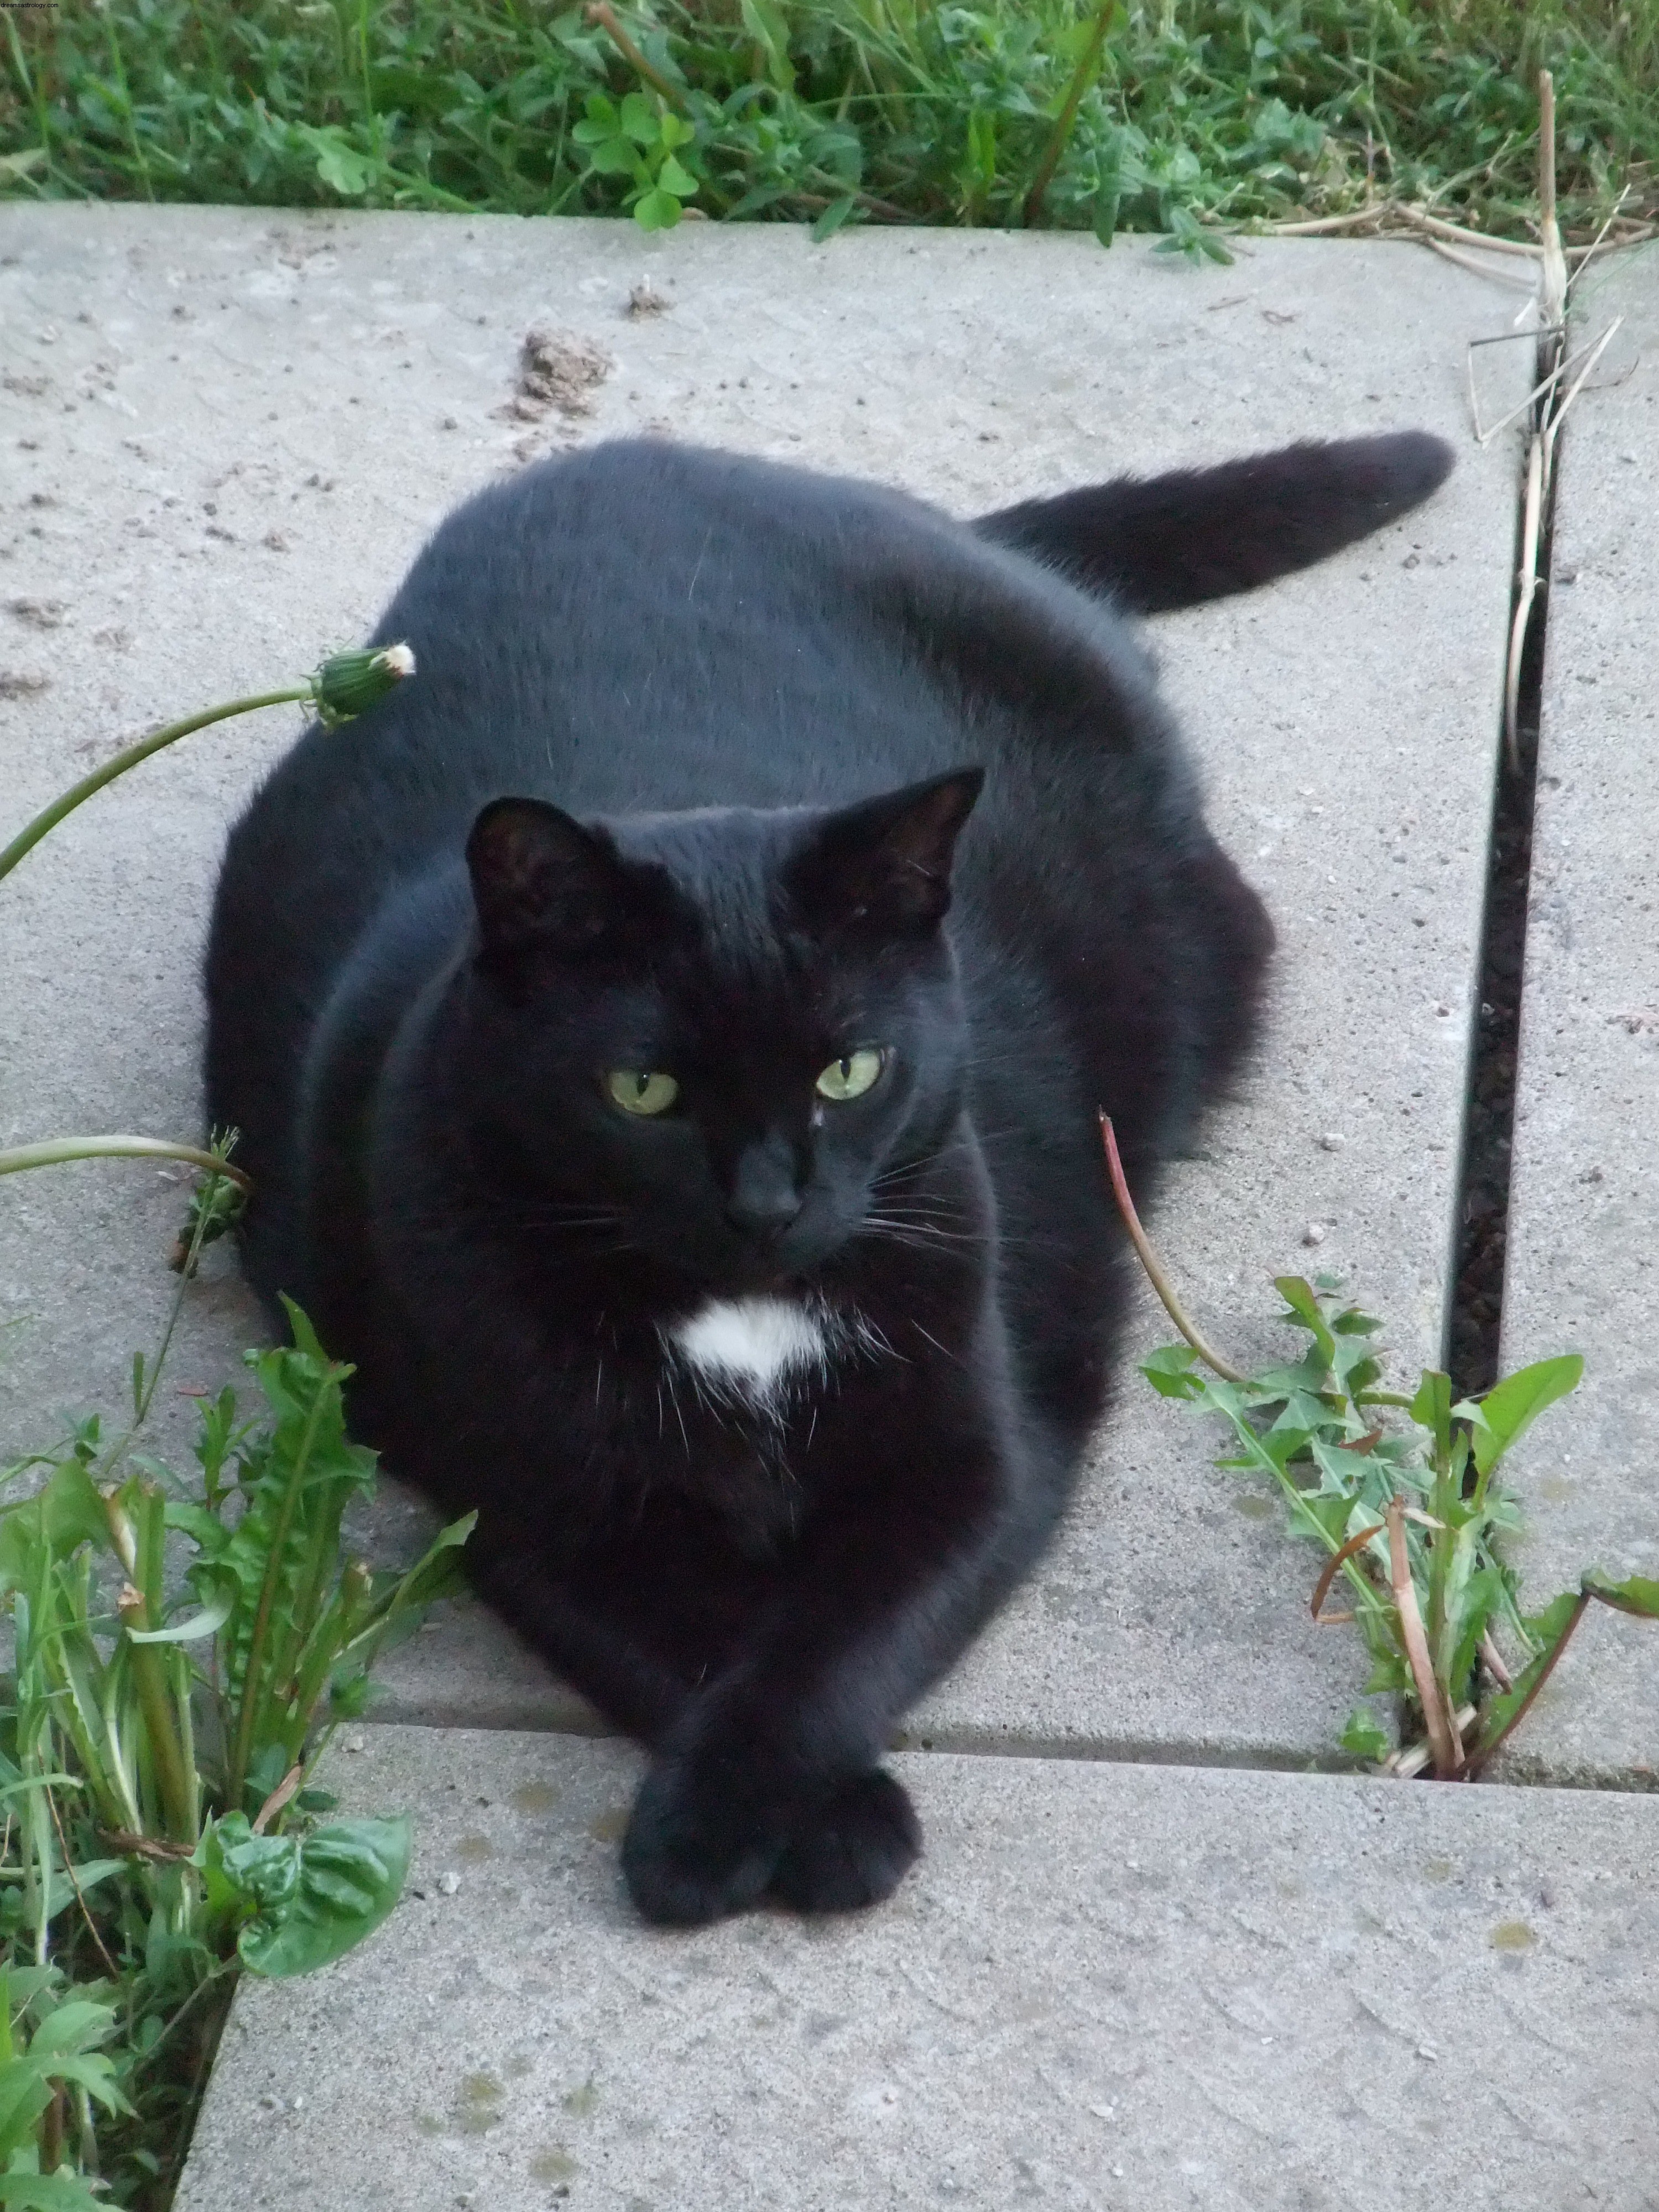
(656, 210)
(634, 141)
(640, 121)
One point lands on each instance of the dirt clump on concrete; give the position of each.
(558, 372)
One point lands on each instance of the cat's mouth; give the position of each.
(756, 1275)
(724, 1263)
(786, 1267)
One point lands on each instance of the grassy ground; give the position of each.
(1196, 112)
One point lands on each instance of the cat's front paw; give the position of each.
(687, 1858)
(854, 1852)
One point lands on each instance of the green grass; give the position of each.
(1200, 111)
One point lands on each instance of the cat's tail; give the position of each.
(1196, 534)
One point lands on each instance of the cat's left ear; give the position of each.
(886, 865)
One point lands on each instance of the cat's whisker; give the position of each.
(953, 1146)
(565, 1214)
(539, 1219)
(937, 1345)
(923, 1238)
(674, 1401)
(944, 1224)
(920, 1232)
(919, 1240)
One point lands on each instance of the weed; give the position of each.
(1170, 115)
(638, 140)
(181, 1653)
(1410, 1517)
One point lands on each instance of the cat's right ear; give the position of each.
(885, 866)
(540, 879)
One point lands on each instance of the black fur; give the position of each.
(677, 785)
(1201, 533)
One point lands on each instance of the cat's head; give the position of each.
(706, 1037)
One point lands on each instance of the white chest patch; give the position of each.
(751, 1347)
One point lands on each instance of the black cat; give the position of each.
(695, 1198)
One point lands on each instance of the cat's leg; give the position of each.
(853, 1851)
(770, 1780)
(635, 1622)
(637, 1689)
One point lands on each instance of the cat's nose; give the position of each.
(763, 1217)
(764, 1199)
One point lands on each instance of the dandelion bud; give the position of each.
(348, 683)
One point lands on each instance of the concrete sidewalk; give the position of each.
(1583, 1261)
(1106, 1989)
(232, 430)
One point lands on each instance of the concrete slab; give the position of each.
(1105, 1987)
(228, 430)
(1582, 1274)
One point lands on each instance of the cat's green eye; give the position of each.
(641, 1094)
(851, 1076)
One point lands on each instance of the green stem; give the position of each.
(362, 61)
(1440, 1551)
(602, 14)
(149, 1678)
(1473, 1764)
(231, 1966)
(182, 1674)
(52, 2131)
(152, 1372)
(433, 196)
(123, 1766)
(247, 1714)
(186, 1274)
(137, 143)
(129, 756)
(86, 2131)
(111, 1462)
(35, 96)
(1082, 77)
(74, 1663)
(55, 1151)
(36, 1824)
(151, 1552)
(310, 1611)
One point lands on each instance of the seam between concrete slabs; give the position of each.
(1616, 1782)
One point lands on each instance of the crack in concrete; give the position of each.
(1475, 1317)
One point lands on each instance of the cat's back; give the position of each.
(647, 627)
